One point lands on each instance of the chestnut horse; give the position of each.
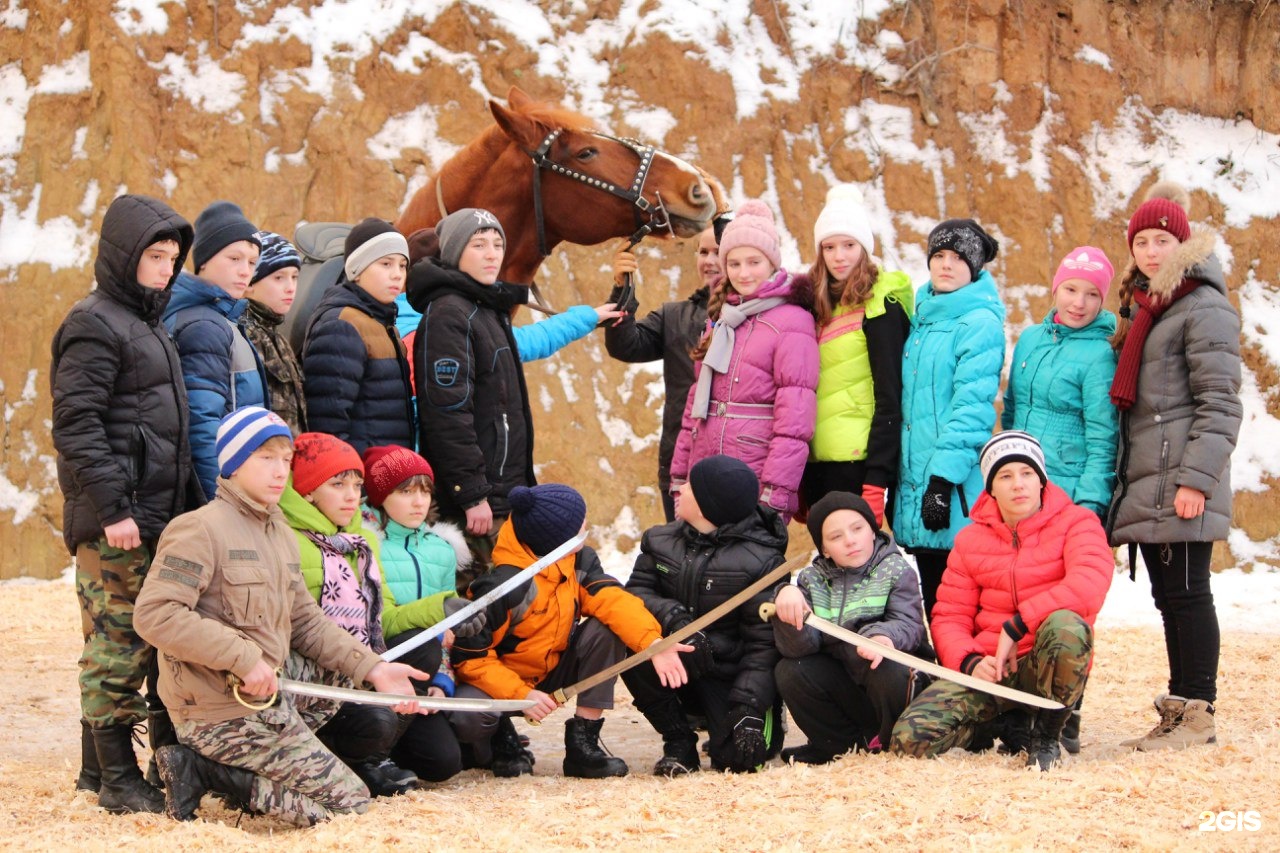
(550, 175)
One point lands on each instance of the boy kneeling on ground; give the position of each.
(227, 598)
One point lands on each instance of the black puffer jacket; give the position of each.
(682, 574)
(119, 405)
(475, 427)
(669, 332)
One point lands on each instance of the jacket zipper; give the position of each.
(506, 435)
(417, 569)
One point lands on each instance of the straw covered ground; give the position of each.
(1104, 798)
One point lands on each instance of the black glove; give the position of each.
(699, 661)
(749, 747)
(631, 304)
(935, 509)
(470, 626)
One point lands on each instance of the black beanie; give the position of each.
(967, 239)
(831, 502)
(546, 516)
(725, 488)
(218, 226)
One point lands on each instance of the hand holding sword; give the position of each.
(390, 678)
(793, 610)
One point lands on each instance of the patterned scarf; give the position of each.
(353, 603)
(1124, 388)
(720, 352)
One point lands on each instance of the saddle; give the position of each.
(321, 245)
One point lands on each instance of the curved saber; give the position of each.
(768, 611)
(373, 697)
(438, 629)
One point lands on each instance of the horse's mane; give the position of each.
(553, 115)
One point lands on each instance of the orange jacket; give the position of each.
(529, 628)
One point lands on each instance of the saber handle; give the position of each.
(235, 683)
(768, 610)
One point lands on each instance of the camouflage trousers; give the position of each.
(296, 778)
(947, 715)
(115, 660)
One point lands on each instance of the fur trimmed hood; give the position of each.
(1193, 258)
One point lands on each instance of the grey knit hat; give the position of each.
(1011, 446)
(456, 230)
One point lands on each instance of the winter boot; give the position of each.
(807, 754)
(1043, 750)
(679, 740)
(383, 777)
(1015, 731)
(122, 789)
(159, 733)
(584, 758)
(1193, 727)
(188, 776)
(89, 779)
(1169, 708)
(1071, 731)
(510, 759)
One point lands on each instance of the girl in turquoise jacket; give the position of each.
(1060, 382)
(950, 379)
(863, 314)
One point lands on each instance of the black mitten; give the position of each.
(935, 509)
(749, 746)
(627, 293)
(699, 661)
(469, 627)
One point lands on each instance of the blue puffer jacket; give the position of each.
(355, 372)
(950, 378)
(542, 339)
(1060, 391)
(220, 367)
(423, 562)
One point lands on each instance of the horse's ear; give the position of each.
(518, 99)
(518, 127)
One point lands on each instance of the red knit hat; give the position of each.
(1162, 213)
(318, 456)
(389, 466)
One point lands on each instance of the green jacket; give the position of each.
(396, 618)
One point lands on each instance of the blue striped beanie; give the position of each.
(244, 431)
(277, 253)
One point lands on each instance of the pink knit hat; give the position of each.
(1087, 263)
(752, 226)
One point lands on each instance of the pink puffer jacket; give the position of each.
(1060, 560)
(763, 409)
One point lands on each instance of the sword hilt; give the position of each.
(234, 682)
(768, 610)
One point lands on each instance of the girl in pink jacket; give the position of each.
(756, 368)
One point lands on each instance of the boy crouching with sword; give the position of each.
(225, 597)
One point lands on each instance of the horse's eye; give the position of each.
(586, 155)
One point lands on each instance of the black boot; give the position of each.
(679, 740)
(188, 776)
(807, 754)
(159, 733)
(584, 758)
(384, 777)
(510, 757)
(1015, 731)
(1071, 731)
(122, 789)
(90, 779)
(1044, 750)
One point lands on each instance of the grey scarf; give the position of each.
(720, 352)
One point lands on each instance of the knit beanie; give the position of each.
(243, 431)
(753, 227)
(456, 229)
(372, 239)
(385, 468)
(277, 254)
(218, 226)
(1086, 263)
(1165, 208)
(317, 456)
(546, 516)
(831, 502)
(967, 239)
(1011, 446)
(845, 214)
(725, 488)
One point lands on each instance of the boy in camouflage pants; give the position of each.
(227, 599)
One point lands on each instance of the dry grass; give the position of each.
(1105, 798)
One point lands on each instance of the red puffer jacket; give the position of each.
(1058, 559)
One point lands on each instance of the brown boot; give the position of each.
(1193, 727)
(1168, 707)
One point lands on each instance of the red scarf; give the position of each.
(1124, 388)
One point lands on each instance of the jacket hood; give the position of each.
(190, 291)
(131, 224)
(432, 278)
(1103, 326)
(304, 515)
(348, 294)
(231, 493)
(764, 526)
(979, 294)
(884, 547)
(1193, 258)
(1053, 501)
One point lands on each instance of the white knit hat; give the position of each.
(844, 214)
(1011, 446)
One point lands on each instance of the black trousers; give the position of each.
(839, 701)
(1179, 574)
(931, 564)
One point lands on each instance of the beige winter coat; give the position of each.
(224, 591)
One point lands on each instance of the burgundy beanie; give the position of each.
(317, 456)
(1086, 263)
(752, 226)
(725, 488)
(546, 516)
(1162, 213)
(386, 467)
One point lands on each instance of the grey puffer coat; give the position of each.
(1183, 426)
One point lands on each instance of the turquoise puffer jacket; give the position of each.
(423, 562)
